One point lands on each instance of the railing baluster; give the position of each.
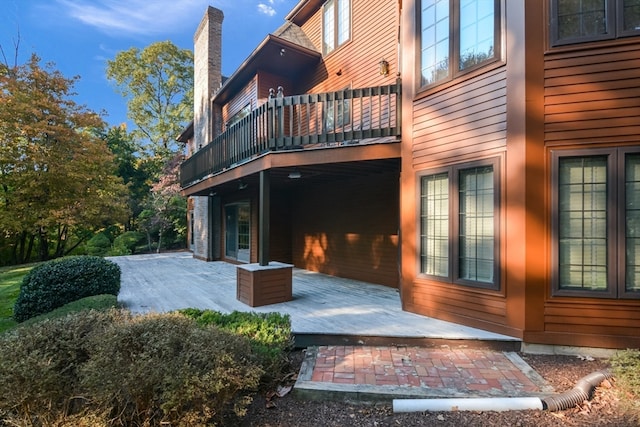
(300, 120)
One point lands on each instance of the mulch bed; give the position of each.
(562, 372)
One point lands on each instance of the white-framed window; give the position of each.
(336, 24)
(456, 36)
(459, 224)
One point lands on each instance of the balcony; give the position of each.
(322, 120)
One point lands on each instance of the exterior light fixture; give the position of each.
(242, 185)
(384, 67)
(295, 175)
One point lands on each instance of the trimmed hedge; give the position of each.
(58, 282)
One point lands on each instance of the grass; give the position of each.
(10, 281)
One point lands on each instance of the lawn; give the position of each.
(10, 280)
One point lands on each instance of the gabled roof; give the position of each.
(286, 52)
(303, 10)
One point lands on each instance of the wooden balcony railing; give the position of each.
(298, 122)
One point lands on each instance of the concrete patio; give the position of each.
(324, 309)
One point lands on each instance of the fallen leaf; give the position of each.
(283, 391)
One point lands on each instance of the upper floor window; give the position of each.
(575, 21)
(596, 223)
(244, 112)
(459, 224)
(336, 24)
(457, 36)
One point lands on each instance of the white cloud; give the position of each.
(135, 16)
(266, 9)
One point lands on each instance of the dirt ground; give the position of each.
(562, 372)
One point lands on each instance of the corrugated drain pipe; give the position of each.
(582, 391)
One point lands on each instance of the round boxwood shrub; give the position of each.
(58, 282)
(99, 245)
(126, 243)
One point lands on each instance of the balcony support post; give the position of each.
(264, 218)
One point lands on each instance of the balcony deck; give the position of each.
(335, 119)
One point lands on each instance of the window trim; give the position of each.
(453, 172)
(336, 33)
(615, 19)
(454, 45)
(616, 198)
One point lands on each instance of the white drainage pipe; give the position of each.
(467, 404)
(581, 392)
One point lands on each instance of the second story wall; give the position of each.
(355, 64)
(591, 94)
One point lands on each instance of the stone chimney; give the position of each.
(207, 73)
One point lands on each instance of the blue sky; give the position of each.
(79, 36)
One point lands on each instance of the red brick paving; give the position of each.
(472, 369)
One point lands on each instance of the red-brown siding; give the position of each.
(355, 64)
(591, 100)
(349, 229)
(591, 95)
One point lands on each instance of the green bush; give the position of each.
(126, 243)
(270, 334)
(98, 245)
(626, 369)
(113, 368)
(58, 282)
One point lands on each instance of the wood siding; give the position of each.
(248, 95)
(592, 96)
(349, 229)
(463, 122)
(460, 121)
(355, 64)
(591, 100)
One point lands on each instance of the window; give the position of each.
(596, 223)
(238, 231)
(244, 112)
(575, 21)
(457, 36)
(336, 24)
(459, 224)
(337, 114)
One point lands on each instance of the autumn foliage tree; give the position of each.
(57, 177)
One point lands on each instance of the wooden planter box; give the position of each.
(264, 284)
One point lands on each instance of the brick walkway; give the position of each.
(418, 370)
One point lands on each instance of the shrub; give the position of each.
(270, 334)
(58, 282)
(126, 243)
(626, 369)
(98, 245)
(39, 373)
(112, 368)
(96, 302)
(166, 368)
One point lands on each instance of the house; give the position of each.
(479, 155)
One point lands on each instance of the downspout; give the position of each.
(582, 391)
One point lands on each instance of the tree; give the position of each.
(166, 209)
(56, 177)
(157, 82)
(132, 167)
